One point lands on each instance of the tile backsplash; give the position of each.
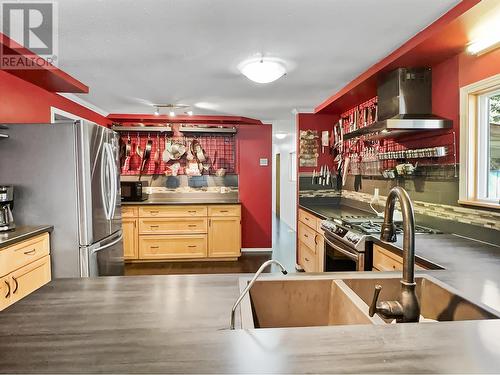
(484, 219)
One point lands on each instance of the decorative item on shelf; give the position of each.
(308, 154)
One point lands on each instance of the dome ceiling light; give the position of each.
(263, 69)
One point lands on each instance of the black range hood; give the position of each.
(404, 105)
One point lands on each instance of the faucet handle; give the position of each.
(373, 306)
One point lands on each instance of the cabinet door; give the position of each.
(5, 292)
(130, 239)
(29, 278)
(224, 237)
(307, 258)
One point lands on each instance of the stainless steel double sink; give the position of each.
(304, 301)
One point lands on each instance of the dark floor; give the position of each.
(283, 250)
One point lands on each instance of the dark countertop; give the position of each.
(22, 233)
(178, 324)
(174, 202)
(331, 211)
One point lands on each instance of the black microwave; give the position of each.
(132, 191)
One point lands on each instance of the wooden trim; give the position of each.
(469, 140)
(479, 204)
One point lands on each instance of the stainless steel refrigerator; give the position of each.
(67, 174)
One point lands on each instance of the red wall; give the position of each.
(311, 121)
(255, 184)
(24, 102)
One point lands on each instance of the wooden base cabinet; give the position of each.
(310, 242)
(24, 267)
(224, 237)
(182, 232)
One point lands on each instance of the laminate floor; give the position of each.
(283, 250)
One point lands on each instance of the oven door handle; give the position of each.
(342, 250)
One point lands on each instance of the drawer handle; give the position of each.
(154, 226)
(31, 252)
(8, 289)
(192, 246)
(307, 260)
(154, 212)
(192, 225)
(223, 211)
(192, 212)
(316, 239)
(154, 247)
(306, 218)
(306, 236)
(17, 285)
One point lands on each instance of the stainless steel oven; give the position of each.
(342, 257)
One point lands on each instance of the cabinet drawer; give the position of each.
(308, 236)
(307, 258)
(384, 260)
(224, 210)
(309, 219)
(173, 247)
(129, 211)
(29, 278)
(172, 226)
(172, 211)
(20, 254)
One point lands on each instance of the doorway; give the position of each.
(278, 187)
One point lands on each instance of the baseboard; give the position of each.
(257, 250)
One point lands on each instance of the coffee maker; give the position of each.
(6, 205)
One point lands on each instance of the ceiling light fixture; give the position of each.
(263, 69)
(189, 113)
(157, 111)
(171, 114)
(484, 45)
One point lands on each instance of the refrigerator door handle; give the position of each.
(104, 167)
(114, 183)
(112, 243)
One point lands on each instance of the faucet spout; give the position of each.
(250, 284)
(407, 309)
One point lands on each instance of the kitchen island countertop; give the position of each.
(22, 233)
(179, 324)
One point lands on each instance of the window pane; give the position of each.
(494, 147)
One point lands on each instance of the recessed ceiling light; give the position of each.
(157, 111)
(263, 69)
(171, 114)
(189, 113)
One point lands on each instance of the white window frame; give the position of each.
(473, 142)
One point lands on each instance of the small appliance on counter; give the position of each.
(132, 191)
(6, 205)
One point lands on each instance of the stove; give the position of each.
(347, 236)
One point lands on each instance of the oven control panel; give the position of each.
(340, 231)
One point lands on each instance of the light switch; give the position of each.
(263, 162)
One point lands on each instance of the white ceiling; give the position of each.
(133, 53)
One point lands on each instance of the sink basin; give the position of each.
(306, 301)
(438, 301)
